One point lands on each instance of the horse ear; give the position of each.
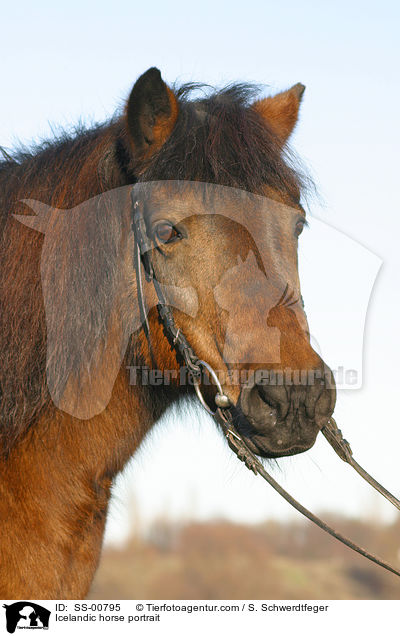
(282, 110)
(151, 113)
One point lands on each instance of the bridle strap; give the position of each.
(142, 252)
(139, 284)
(240, 448)
(226, 415)
(342, 448)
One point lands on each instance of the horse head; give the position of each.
(223, 215)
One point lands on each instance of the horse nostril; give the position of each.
(276, 397)
(283, 409)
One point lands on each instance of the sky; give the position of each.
(62, 64)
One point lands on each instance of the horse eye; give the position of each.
(166, 233)
(299, 227)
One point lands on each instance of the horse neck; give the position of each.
(55, 488)
(56, 480)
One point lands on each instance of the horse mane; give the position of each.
(217, 138)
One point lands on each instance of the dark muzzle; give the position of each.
(284, 418)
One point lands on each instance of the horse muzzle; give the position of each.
(282, 420)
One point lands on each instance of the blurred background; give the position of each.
(187, 521)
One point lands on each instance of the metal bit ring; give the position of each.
(221, 399)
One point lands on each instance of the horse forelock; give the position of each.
(219, 138)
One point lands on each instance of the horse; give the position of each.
(216, 185)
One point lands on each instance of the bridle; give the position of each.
(226, 414)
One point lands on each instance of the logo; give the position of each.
(26, 615)
(92, 309)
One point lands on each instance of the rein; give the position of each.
(226, 413)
